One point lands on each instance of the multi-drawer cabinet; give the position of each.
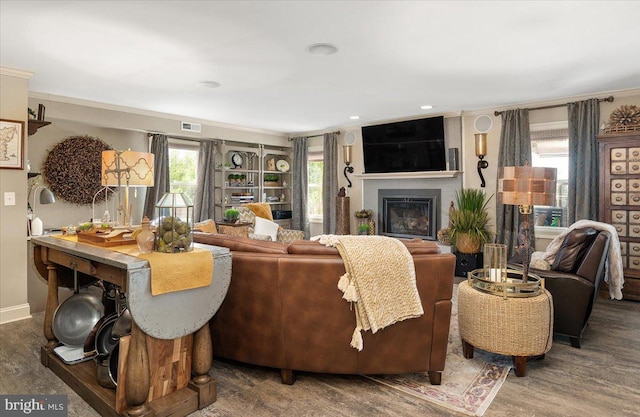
(620, 201)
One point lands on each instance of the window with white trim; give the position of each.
(183, 167)
(550, 148)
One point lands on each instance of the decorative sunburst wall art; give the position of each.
(72, 169)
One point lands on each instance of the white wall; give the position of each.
(13, 223)
(468, 163)
(120, 127)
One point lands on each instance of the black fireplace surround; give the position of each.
(411, 213)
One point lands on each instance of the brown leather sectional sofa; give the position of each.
(284, 310)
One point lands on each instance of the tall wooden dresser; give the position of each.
(620, 201)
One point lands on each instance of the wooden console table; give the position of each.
(161, 318)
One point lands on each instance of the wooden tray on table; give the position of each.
(106, 238)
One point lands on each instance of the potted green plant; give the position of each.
(469, 222)
(363, 229)
(271, 180)
(231, 215)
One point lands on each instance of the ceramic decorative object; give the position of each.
(145, 239)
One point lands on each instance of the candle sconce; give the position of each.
(346, 152)
(481, 152)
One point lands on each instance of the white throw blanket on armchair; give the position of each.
(614, 275)
(380, 281)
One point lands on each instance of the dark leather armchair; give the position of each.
(574, 279)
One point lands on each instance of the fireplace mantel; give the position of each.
(409, 175)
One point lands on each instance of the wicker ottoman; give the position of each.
(519, 327)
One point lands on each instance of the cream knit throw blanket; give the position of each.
(380, 281)
(614, 274)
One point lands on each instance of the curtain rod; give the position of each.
(607, 99)
(337, 132)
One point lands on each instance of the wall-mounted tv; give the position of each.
(413, 145)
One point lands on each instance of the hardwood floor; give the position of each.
(601, 379)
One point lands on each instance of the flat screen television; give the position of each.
(409, 146)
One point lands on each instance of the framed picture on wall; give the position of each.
(11, 144)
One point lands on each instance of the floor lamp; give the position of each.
(525, 187)
(128, 168)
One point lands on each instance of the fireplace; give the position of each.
(409, 213)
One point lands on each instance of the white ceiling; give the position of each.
(394, 56)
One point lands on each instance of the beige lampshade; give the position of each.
(138, 166)
(527, 186)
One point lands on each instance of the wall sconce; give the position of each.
(346, 152)
(481, 151)
(128, 167)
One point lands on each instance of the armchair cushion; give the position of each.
(571, 249)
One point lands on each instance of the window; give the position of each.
(183, 166)
(550, 148)
(315, 165)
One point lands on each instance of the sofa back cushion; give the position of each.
(241, 244)
(306, 247)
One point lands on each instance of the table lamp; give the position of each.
(128, 168)
(525, 187)
(46, 197)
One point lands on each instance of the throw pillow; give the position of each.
(207, 226)
(259, 237)
(245, 215)
(260, 209)
(569, 250)
(266, 227)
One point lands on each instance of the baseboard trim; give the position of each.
(15, 313)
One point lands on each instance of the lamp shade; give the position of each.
(127, 168)
(46, 196)
(527, 186)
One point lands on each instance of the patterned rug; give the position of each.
(468, 385)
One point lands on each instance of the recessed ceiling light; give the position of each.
(322, 49)
(208, 84)
(426, 107)
(354, 117)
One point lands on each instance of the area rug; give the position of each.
(468, 385)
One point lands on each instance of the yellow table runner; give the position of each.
(170, 272)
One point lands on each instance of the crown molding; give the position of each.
(132, 110)
(564, 100)
(15, 72)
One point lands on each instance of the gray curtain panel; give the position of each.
(204, 203)
(161, 185)
(329, 182)
(515, 150)
(584, 121)
(299, 186)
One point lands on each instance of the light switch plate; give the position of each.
(9, 198)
